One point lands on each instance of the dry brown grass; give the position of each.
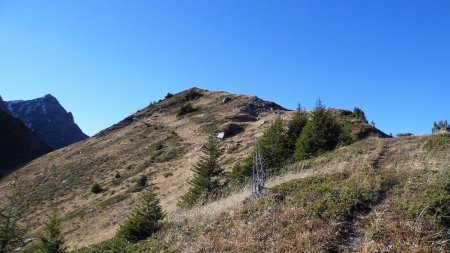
(158, 144)
(388, 188)
(162, 146)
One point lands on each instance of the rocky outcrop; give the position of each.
(3, 105)
(18, 144)
(48, 119)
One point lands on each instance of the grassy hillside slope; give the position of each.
(377, 195)
(156, 142)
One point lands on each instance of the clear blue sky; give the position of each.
(106, 59)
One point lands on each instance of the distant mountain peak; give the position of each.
(48, 119)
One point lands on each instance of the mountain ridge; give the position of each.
(48, 119)
(157, 142)
(18, 144)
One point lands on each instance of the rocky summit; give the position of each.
(48, 119)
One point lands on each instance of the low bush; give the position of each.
(185, 109)
(96, 188)
(192, 95)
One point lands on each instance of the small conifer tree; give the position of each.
(272, 145)
(241, 172)
(11, 230)
(295, 127)
(359, 114)
(145, 219)
(441, 126)
(52, 240)
(320, 134)
(207, 175)
(169, 95)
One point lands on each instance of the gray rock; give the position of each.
(48, 119)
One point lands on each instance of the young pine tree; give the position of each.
(145, 219)
(441, 126)
(207, 175)
(241, 172)
(272, 145)
(11, 230)
(295, 127)
(320, 134)
(52, 240)
(359, 114)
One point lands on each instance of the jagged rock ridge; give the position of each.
(48, 119)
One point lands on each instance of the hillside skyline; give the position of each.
(104, 60)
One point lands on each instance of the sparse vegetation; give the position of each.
(438, 143)
(391, 207)
(164, 146)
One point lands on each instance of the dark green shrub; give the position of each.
(145, 219)
(192, 95)
(404, 134)
(169, 95)
(359, 114)
(142, 181)
(96, 188)
(185, 109)
(441, 126)
(241, 172)
(320, 134)
(207, 176)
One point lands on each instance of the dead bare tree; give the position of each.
(258, 176)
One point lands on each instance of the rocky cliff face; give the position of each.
(48, 119)
(3, 105)
(18, 144)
